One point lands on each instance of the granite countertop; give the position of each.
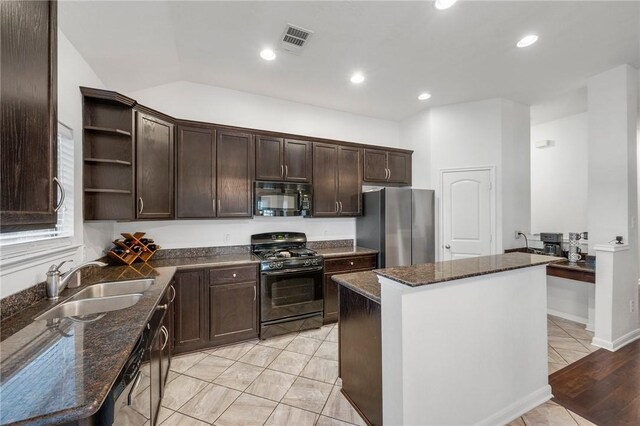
(582, 266)
(432, 273)
(58, 373)
(328, 253)
(365, 283)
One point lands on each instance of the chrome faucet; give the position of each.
(57, 281)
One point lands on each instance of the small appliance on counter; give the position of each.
(552, 243)
(291, 283)
(574, 251)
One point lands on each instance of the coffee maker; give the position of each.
(552, 243)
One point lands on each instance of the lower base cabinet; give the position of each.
(215, 306)
(341, 265)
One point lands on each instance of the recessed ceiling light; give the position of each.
(527, 40)
(268, 54)
(444, 4)
(424, 96)
(357, 78)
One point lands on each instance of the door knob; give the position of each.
(447, 246)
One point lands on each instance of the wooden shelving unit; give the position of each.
(109, 155)
(144, 254)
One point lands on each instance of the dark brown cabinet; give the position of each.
(196, 172)
(235, 171)
(28, 121)
(215, 307)
(341, 265)
(154, 167)
(337, 189)
(279, 159)
(392, 167)
(191, 309)
(233, 304)
(159, 351)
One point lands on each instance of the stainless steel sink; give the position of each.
(96, 305)
(114, 288)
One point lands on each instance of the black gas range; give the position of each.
(291, 288)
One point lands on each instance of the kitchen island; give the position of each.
(446, 343)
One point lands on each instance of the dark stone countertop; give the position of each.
(58, 374)
(328, 253)
(365, 283)
(582, 266)
(432, 273)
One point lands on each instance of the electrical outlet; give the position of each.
(227, 238)
(632, 306)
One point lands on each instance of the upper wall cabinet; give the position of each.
(393, 167)
(279, 159)
(28, 122)
(337, 187)
(196, 172)
(234, 163)
(154, 167)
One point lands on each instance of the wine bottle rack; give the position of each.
(144, 254)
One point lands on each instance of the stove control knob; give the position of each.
(272, 265)
(307, 262)
(279, 265)
(314, 262)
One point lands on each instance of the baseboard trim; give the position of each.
(566, 316)
(619, 342)
(518, 408)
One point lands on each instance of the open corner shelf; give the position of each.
(107, 130)
(107, 161)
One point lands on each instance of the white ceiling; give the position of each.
(462, 54)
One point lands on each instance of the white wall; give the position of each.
(415, 134)
(559, 176)
(200, 102)
(73, 71)
(224, 232)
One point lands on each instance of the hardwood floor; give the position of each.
(603, 387)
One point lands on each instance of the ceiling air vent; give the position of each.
(294, 38)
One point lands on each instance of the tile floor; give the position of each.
(293, 380)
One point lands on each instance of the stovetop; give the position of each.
(284, 251)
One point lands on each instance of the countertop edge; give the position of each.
(338, 278)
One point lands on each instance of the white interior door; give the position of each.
(467, 213)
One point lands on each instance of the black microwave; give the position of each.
(282, 199)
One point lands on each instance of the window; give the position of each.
(64, 227)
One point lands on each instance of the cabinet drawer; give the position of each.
(348, 264)
(233, 274)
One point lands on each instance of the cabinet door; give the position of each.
(155, 372)
(190, 310)
(325, 180)
(28, 122)
(154, 168)
(235, 167)
(233, 312)
(196, 170)
(375, 165)
(331, 304)
(349, 181)
(399, 168)
(269, 158)
(297, 161)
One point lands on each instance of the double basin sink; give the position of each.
(99, 299)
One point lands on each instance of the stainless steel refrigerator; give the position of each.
(399, 223)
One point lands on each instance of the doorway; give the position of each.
(467, 213)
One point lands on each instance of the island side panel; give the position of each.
(471, 351)
(361, 353)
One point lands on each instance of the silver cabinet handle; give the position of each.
(213, 205)
(281, 170)
(62, 194)
(351, 263)
(163, 307)
(254, 293)
(218, 205)
(447, 246)
(141, 203)
(386, 173)
(166, 336)
(235, 275)
(337, 207)
(286, 171)
(340, 202)
(173, 297)
(389, 171)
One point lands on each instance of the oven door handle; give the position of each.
(292, 271)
